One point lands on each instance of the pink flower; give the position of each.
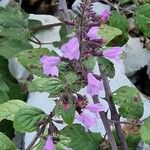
(50, 65)
(95, 108)
(113, 53)
(93, 33)
(86, 119)
(71, 49)
(49, 145)
(94, 85)
(105, 15)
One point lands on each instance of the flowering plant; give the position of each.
(85, 43)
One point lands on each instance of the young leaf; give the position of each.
(108, 33)
(107, 66)
(145, 131)
(129, 100)
(81, 140)
(3, 86)
(10, 108)
(54, 86)
(26, 119)
(90, 63)
(6, 143)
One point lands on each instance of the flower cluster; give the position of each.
(71, 51)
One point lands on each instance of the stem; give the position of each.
(43, 27)
(114, 115)
(105, 121)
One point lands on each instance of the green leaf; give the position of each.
(3, 97)
(129, 100)
(63, 142)
(68, 115)
(119, 20)
(8, 109)
(3, 86)
(145, 131)
(63, 32)
(10, 48)
(33, 24)
(107, 66)
(54, 86)
(6, 143)
(13, 24)
(26, 119)
(81, 140)
(30, 59)
(142, 19)
(108, 33)
(90, 63)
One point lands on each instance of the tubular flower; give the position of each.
(95, 108)
(113, 53)
(93, 33)
(85, 119)
(105, 15)
(50, 65)
(49, 145)
(71, 50)
(94, 85)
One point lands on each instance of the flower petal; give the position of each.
(49, 145)
(93, 33)
(95, 108)
(71, 49)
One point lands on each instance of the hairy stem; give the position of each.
(114, 115)
(106, 124)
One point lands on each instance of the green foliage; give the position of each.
(145, 131)
(108, 33)
(14, 32)
(30, 59)
(6, 143)
(68, 114)
(26, 119)
(119, 21)
(81, 139)
(10, 108)
(54, 86)
(3, 97)
(10, 47)
(90, 63)
(3, 86)
(129, 102)
(142, 19)
(107, 66)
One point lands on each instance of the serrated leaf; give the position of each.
(3, 86)
(54, 86)
(142, 19)
(30, 59)
(13, 24)
(10, 48)
(10, 108)
(3, 97)
(6, 143)
(68, 115)
(129, 102)
(107, 66)
(81, 140)
(26, 119)
(108, 33)
(145, 131)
